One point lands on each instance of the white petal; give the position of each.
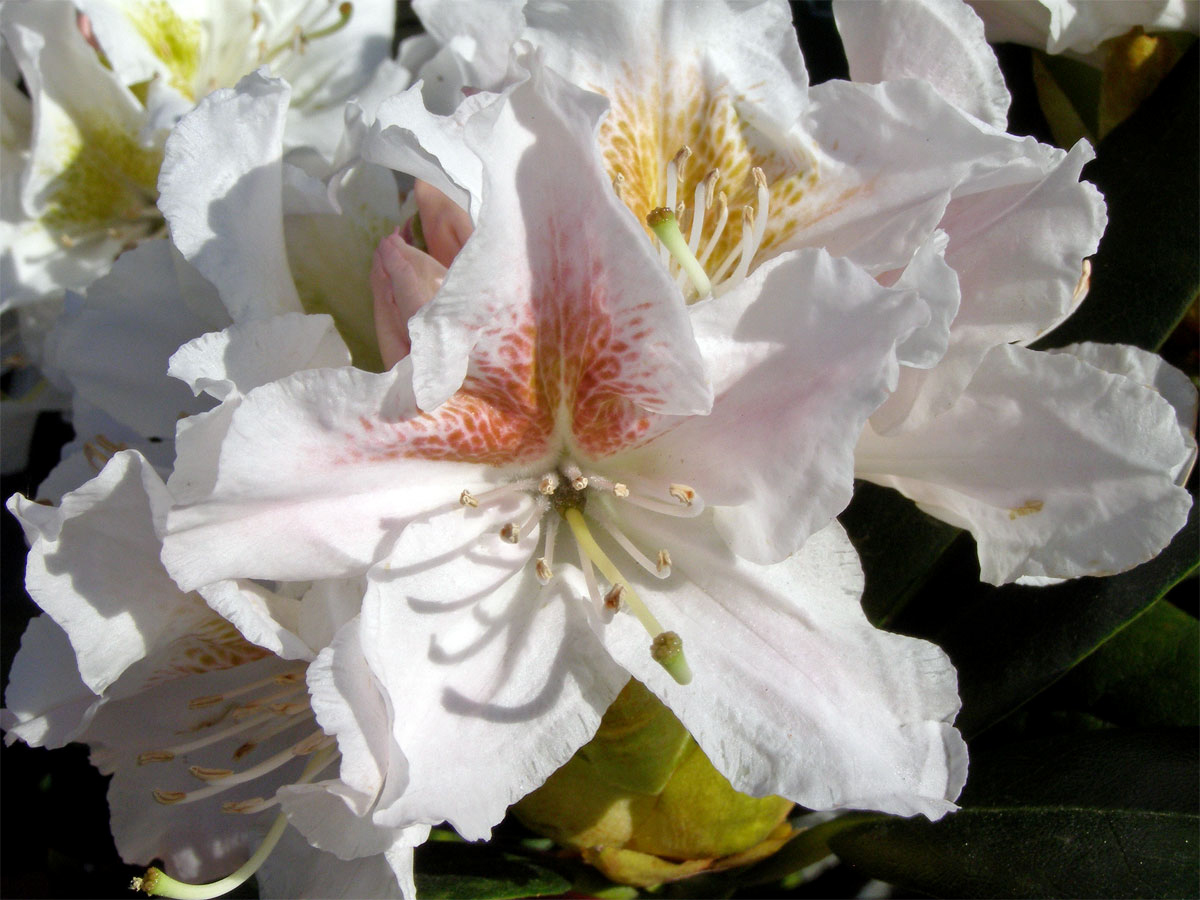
(794, 692)
(800, 354)
(1080, 27)
(94, 568)
(297, 869)
(221, 189)
(1058, 468)
(113, 348)
(245, 356)
(313, 476)
(939, 41)
(1018, 250)
(264, 617)
(46, 703)
(493, 689)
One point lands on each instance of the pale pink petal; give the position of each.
(1019, 252)
(318, 472)
(403, 279)
(1058, 468)
(796, 371)
(445, 224)
(561, 277)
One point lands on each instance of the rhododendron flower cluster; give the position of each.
(413, 421)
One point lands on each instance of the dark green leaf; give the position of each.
(1104, 814)
(897, 543)
(1011, 643)
(1147, 676)
(453, 871)
(1146, 271)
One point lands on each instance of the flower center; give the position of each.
(706, 261)
(254, 714)
(566, 491)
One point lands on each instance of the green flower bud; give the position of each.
(644, 805)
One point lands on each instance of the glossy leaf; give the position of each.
(455, 871)
(1146, 271)
(897, 543)
(1104, 814)
(1147, 676)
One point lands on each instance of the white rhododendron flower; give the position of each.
(1080, 26)
(615, 484)
(108, 79)
(914, 181)
(204, 732)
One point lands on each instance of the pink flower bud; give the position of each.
(445, 225)
(403, 279)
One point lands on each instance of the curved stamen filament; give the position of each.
(545, 565)
(157, 883)
(212, 699)
(629, 547)
(300, 38)
(318, 740)
(591, 550)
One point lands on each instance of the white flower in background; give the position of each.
(108, 79)
(616, 484)
(1079, 27)
(712, 116)
(204, 732)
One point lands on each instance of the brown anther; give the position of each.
(244, 749)
(289, 709)
(613, 599)
(663, 562)
(548, 485)
(288, 678)
(168, 797)
(206, 774)
(254, 804)
(579, 482)
(544, 572)
(682, 493)
(201, 702)
(681, 157)
(710, 186)
(310, 744)
(466, 498)
(155, 756)
(510, 532)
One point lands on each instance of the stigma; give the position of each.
(708, 261)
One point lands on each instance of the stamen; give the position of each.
(663, 223)
(299, 38)
(578, 479)
(612, 600)
(169, 753)
(206, 774)
(618, 184)
(718, 230)
(466, 498)
(701, 201)
(663, 565)
(549, 484)
(673, 169)
(510, 532)
(682, 493)
(157, 883)
(318, 740)
(544, 568)
(276, 726)
(628, 546)
(270, 702)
